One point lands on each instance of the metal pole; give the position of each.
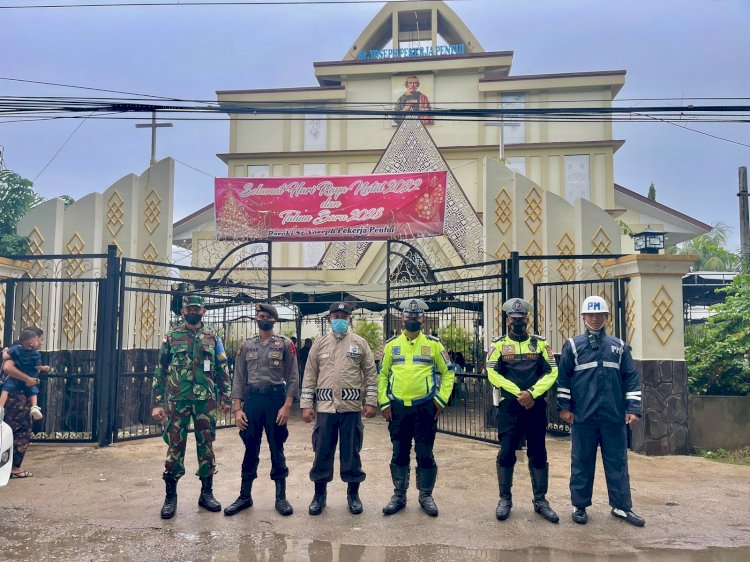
(10, 305)
(744, 216)
(387, 289)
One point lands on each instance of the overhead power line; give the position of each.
(177, 4)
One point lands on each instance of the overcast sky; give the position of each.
(669, 48)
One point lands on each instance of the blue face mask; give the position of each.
(340, 325)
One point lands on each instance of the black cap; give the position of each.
(340, 307)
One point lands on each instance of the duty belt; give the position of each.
(267, 389)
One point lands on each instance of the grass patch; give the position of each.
(739, 456)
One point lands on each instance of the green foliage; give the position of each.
(68, 200)
(372, 332)
(17, 196)
(710, 249)
(454, 337)
(740, 456)
(719, 362)
(625, 228)
(652, 192)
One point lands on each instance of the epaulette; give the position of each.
(538, 337)
(433, 338)
(498, 338)
(391, 339)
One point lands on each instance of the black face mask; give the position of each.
(518, 328)
(265, 324)
(412, 325)
(193, 318)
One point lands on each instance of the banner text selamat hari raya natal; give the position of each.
(372, 207)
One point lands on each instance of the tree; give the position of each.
(17, 196)
(719, 363)
(372, 332)
(652, 192)
(455, 338)
(710, 249)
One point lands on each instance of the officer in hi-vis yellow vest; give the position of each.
(523, 368)
(411, 399)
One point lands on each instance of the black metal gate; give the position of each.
(150, 301)
(72, 299)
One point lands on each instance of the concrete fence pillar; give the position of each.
(654, 330)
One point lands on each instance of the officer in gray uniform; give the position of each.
(265, 385)
(339, 383)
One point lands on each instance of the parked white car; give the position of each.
(6, 449)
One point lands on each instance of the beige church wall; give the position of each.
(82, 234)
(581, 131)
(37, 304)
(254, 135)
(465, 172)
(120, 209)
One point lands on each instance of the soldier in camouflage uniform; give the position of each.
(192, 368)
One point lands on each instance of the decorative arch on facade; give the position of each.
(443, 22)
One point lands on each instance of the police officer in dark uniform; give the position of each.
(411, 397)
(265, 385)
(599, 394)
(522, 369)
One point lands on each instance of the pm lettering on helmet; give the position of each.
(595, 306)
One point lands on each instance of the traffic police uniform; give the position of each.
(339, 378)
(414, 376)
(599, 383)
(192, 369)
(519, 363)
(265, 374)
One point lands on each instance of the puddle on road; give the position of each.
(154, 544)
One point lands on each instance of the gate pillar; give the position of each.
(654, 330)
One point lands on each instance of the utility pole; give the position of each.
(153, 125)
(744, 216)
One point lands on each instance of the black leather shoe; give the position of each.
(629, 516)
(543, 508)
(318, 503)
(352, 498)
(170, 501)
(282, 505)
(207, 500)
(502, 511)
(579, 516)
(238, 505)
(396, 504)
(427, 503)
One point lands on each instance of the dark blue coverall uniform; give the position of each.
(598, 382)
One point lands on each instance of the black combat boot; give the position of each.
(318, 503)
(244, 500)
(505, 483)
(400, 476)
(207, 499)
(426, 478)
(170, 500)
(539, 482)
(282, 505)
(352, 498)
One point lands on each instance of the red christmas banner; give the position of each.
(374, 207)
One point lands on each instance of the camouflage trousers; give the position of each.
(18, 417)
(179, 415)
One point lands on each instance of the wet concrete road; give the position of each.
(85, 503)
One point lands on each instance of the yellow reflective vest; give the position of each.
(514, 365)
(409, 372)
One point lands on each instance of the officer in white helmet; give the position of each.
(411, 398)
(599, 394)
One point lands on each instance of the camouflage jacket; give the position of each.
(192, 366)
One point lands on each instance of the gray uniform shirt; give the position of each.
(340, 375)
(266, 363)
